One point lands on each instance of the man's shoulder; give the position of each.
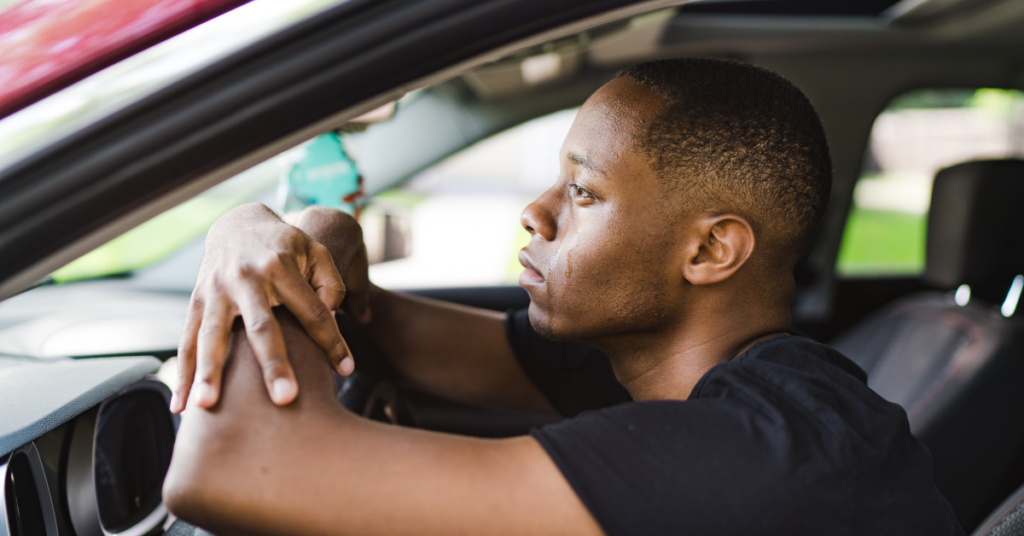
(777, 380)
(784, 433)
(792, 377)
(801, 354)
(790, 364)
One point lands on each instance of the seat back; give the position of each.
(1007, 519)
(957, 369)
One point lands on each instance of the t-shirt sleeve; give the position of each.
(573, 377)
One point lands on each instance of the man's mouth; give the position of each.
(530, 275)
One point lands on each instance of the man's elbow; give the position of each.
(202, 462)
(188, 485)
(181, 494)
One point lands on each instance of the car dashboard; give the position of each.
(85, 442)
(84, 447)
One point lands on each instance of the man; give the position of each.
(686, 191)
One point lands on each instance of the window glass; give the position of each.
(918, 134)
(454, 224)
(168, 232)
(463, 213)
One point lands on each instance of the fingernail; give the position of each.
(346, 366)
(174, 403)
(282, 390)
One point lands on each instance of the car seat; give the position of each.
(956, 365)
(1007, 519)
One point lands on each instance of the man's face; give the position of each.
(600, 260)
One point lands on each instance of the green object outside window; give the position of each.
(919, 133)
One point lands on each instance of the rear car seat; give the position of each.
(958, 370)
(1007, 519)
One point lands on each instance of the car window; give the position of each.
(916, 135)
(463, 213)
(172, 230)
(457, 221)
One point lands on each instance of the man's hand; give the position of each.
(254, 262)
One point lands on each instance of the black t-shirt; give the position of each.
(784, 439)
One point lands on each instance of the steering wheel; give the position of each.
(371, 390)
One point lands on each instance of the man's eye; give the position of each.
(580, 192)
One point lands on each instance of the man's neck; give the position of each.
(667, 364)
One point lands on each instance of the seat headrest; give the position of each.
(976, 224)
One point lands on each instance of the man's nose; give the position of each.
(538, 218)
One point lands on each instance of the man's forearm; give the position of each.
(247, 466)
(457, 352)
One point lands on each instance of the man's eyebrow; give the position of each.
(585, 161)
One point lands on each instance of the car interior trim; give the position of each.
(37, 399)
(81, 492)
(40, 487)
(83, 503)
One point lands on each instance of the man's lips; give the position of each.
(530, 274)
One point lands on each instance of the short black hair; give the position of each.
(741, 135)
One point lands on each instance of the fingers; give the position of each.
(186, 358)
(214, 335)
(267, 342)
(318, 321)
(357, 283)
(248, 276)
(324, 277)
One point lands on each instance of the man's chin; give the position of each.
(542, 324)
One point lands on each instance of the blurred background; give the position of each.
(465, 209)
(918, 134)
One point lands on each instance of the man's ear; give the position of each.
(717, 247)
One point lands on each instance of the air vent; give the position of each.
(134, 439)
(26, 508)
(118, 458)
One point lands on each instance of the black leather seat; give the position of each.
(959, 370)
(1007, 519)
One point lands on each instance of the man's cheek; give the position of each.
(587, 276)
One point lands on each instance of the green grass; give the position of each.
(148, 242)
(878, 242)
(168, 231)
